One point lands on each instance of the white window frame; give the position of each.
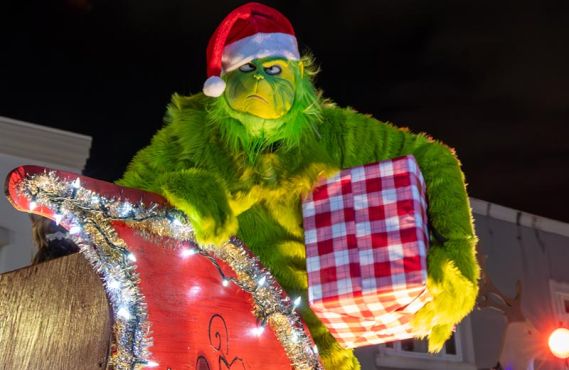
(430, 356)
(559, 294)
(397, 358)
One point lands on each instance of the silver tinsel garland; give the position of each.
(89, 217)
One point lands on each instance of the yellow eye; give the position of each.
(249, 67)
(273, 70)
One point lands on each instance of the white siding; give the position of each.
(24, 143)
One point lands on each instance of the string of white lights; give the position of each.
(88, 216)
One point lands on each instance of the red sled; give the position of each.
(173, 305)
(366, 244)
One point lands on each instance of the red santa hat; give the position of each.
(249, 32)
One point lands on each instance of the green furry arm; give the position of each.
(452, 268)
(167, 167)
(204, 199)
(449, 207)
(198, 193)
(149, 163)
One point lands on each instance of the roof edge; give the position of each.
(45, 144)
(514, 216)
(34, 126)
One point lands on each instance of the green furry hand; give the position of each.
(204, 199)
(454, 295)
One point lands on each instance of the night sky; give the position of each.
(489, 78)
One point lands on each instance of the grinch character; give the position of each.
(238, 158)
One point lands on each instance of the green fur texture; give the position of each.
(227, 181)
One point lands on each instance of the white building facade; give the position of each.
(23, 143)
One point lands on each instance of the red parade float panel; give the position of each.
(195, 321)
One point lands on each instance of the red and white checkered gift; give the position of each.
(366, 241)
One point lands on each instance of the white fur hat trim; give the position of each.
(214, 86)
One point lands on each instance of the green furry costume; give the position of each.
(207, 163)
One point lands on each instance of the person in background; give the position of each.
(51, 240)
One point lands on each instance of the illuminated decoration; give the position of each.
(146, 254)
(559, 343)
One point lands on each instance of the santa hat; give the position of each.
(249, 32)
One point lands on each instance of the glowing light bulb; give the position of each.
(559, 343)
(124, 313)
(113, 284)
(58, 218)
(187, 252)
(131, 257)
(315, 349)
(76, 229)
(294, 337)
(258, 331)
(262, 281)
(296, 302)
(225, 282)
(152, 364)
(33, 205)
(125, 209)
(77, 183)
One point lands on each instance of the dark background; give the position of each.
(490, 78)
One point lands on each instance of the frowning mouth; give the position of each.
(255, 96)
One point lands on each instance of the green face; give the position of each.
(263, 88)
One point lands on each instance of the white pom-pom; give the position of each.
(214, 86)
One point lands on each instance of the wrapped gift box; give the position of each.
(366, 241)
